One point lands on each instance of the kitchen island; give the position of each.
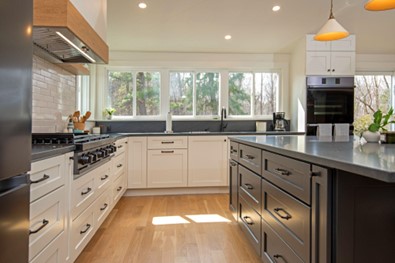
(316, 199)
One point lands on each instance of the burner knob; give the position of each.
(99, 153)
(84, 159)
(105, 152)
(93, 157)
(112, 148)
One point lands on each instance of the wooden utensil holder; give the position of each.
(79, 126)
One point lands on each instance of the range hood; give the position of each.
(62, 35)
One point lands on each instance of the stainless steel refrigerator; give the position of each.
(15, 127)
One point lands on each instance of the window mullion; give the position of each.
(194, 96)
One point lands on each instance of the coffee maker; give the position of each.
(279, 122)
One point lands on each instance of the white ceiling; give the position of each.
(200, 25)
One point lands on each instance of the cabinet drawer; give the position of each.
(47, 220)
(250, 188)
(234, 151)
(289, 174)
(118, 165)
(55, 252)
(121, 146)
(250, 222)
(103, 178)
(289, 217)
(82, 230)
(119, 187)
(46, 176)
(82, 193)
(250, 157)
(274, 249)
(167, 142)
(102, 207)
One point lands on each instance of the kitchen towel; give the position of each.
(324, 129)
(342, 129)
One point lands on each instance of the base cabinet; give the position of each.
(281, 219)
(207, 161)
(137, 162)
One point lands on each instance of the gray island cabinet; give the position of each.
(310, 199)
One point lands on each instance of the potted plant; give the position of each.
(109, 112)
(370, 127)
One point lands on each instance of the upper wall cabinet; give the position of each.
(335, 58)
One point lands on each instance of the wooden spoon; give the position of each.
(87, 115)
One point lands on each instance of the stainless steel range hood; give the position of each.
(62, 35)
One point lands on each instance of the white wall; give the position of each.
(95, 12)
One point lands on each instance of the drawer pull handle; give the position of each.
(249, 186)
(167, 151)
(87, 191)
(248, 220)
(282, 171)
(120, 146)
(45, 177)
(233, 163)
(250, 157)
(278, 211)
(119, 165)
(104, 177)
(86, 229)
(104, 207)
(233, 151)
(315, 173)
(167, 142)
(279, 256)
(44, 223)
(119, 188)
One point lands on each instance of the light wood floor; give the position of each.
(128, 234)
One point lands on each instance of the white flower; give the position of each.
(362, 124)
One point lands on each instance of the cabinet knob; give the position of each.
(329, 70)
(333, 70)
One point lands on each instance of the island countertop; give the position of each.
(373, 160)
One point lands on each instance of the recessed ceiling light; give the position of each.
(227, 37)
(276, 8)
(142, 5)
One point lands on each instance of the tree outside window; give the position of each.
(120, 92)
(240, 88)
(207, 94)
(372, 92)
(181, 93)
(147, 93)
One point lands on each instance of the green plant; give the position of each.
(380, 120)
(110, 111)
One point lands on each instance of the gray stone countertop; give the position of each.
(373, 160)
(40, 152)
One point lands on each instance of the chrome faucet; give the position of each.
(223, 116)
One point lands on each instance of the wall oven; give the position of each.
(329, 100)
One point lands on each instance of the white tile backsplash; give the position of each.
(54, 96)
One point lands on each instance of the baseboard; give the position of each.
(177, 191)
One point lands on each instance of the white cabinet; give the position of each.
(207, 161)
(335, 58)
(137, 162)
(48, 209)
(119, 168)
(167, 161)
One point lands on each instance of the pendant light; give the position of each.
(380, 5)
(332, 30)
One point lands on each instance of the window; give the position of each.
(257, 91)
(134, 98)
(372, 92)
(181, 93)
(194, 94)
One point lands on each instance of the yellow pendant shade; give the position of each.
(332, 30)
(380, 5)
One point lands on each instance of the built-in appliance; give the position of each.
(329, 100)
(279, 122)
(15, 127)
(91, 150)
(64, 35)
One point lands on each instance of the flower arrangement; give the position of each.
(375, 123)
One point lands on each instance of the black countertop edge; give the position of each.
(370, 172)
(40, 152)
(203, 133)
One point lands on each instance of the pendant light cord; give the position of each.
(331, 14)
